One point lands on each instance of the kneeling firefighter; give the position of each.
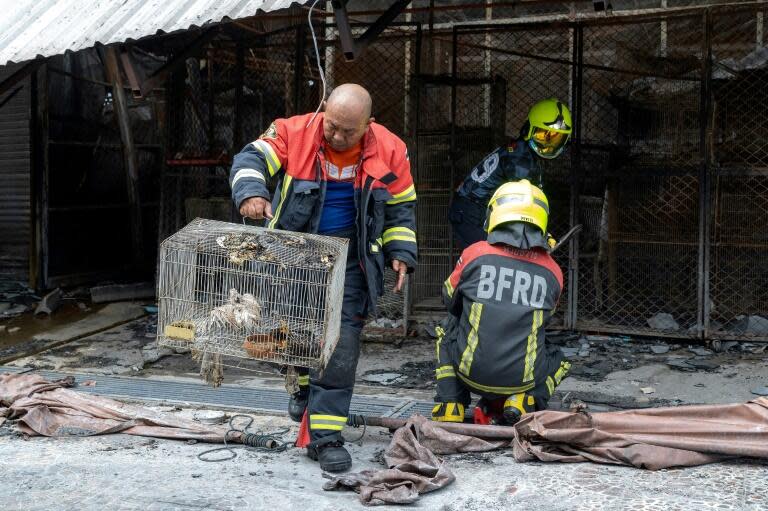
(500, 298)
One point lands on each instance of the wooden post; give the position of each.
(120, 103)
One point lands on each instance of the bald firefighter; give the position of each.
(500, 298)
(339, 174)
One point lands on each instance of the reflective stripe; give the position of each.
(248, 173)
(472, 338)
(304, 380)
(440, 333)
(283, 193)
(495, 390)
(445, 372)
(273, 162)
(332, 422)
(550, 385)
(409, 194)
(374, 248)
(398, 234)
(533, 337)
(448, 287)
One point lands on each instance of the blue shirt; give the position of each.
(339, 207)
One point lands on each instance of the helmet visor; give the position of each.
(548, 143)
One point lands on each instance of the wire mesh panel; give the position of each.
(248, 292)
(641, 125)
(738, 203)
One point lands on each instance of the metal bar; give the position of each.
(129, 154)
(381, 23)
(452, 152)
(38, 261)
(130, 73)
(476, 430)
(706, 130)
(572, 316)
(345, 30)
(237, 126)
(298, 68)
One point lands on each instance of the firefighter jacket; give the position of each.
(512, 163)
(502, 299)
(385, 197)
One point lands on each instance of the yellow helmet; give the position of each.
(548, 128)
(518, 201)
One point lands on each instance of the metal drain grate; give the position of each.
(201, 394)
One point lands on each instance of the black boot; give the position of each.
(297, 404)
(331, 454)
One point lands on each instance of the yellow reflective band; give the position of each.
(409, 194)
(273, 162)
(283, 193)
(440, 333)
(445, 372)
(334, 418)
(495, 390)
(398, 234)
(550, 385)
(304, 379)
(533, 337)
(448, 287)
(472, 338)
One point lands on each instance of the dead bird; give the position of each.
(241, 311)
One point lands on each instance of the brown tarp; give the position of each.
(50, 409)
(652, 438)
(413, 465)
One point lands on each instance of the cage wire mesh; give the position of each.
(669, 184)
(738, 200)
(249, 292)
(638, 260)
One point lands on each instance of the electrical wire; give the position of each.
(270, 442)
(319, 65)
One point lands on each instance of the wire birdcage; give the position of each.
(251, 293)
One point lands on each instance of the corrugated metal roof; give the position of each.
(32, 28)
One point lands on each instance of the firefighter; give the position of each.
(500, 298)
(544, 135)
(339, 174)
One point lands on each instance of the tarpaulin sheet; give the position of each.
(50, 409)
(652, 438)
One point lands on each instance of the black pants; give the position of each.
(330, 393)
(467, 218)
(452, 388)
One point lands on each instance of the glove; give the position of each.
(551, 241)
(448, 412)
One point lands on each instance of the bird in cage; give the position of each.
(242, 311)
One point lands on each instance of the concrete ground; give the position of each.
(124, 472)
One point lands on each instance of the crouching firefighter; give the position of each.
(500, 298)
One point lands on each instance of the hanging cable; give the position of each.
(319, 65)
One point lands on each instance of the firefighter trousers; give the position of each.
(330, 392)
(454, 387)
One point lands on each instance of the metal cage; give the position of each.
(252, 293)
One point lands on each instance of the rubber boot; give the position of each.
(331, 454)
(297, 404)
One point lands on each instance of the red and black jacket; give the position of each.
(385, 196)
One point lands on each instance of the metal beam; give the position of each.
(352, 47)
